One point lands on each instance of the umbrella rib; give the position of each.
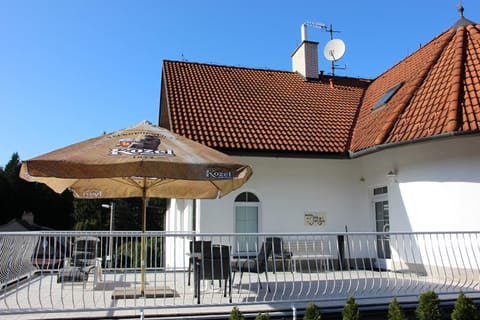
(129, 181)
(219, 190)
(140, 182)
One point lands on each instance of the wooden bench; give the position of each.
(311, 255)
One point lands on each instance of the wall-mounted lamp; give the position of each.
(392, 176)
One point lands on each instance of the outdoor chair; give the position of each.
(280, 254)
(84, 259)
(256, 264)
(197, 248)
(215, 265)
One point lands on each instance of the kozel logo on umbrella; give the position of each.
(145, 145)
(219, 173)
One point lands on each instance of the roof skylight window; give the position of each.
(387, 96)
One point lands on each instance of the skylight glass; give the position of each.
(387, 96)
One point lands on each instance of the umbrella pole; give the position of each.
(144, 229)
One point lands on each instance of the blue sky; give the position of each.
(71, 70)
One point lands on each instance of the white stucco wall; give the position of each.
(287, 188)
(437, 188)
(178, 218)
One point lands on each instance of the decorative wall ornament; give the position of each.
(312, 219)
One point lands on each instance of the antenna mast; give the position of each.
(334, 49)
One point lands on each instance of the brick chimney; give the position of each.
(305, 57)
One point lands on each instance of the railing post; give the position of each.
(341, 251)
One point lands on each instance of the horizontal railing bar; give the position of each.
(217, 234)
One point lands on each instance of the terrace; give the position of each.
(54, 275)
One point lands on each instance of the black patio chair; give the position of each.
(197, 247)
(215, 265)
(279, 253)
(256, 264)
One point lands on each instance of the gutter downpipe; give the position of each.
(381, 147)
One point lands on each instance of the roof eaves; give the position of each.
(285, 154)
(377, 148)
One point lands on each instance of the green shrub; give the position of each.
(236, 314)
(464, 309)
(311, 312)
(428, 307)
(262, 316)
(395, 311)
(350, 310)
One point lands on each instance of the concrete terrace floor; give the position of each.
(41, 297)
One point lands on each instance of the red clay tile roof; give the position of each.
(440, 95)
(262, 111)
(242, 109)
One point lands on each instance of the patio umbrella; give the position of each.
(144, 161)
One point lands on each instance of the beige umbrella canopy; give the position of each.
(144, 161)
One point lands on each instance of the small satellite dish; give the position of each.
(334, 50)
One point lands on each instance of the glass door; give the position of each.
(246, 221)
(382, 224)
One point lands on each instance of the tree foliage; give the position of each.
(63, 212)
(311, 312)
(236, 314)
(350, 310)
(395, 311)
(428, 307)
(263, 316)
(464, 309)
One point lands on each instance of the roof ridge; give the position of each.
(414, 52)
(225, 66)
(454, 108)
(326, 76)
(475, 33)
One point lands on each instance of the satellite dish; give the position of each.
(334, 50)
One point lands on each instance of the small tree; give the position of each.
(428, 307)
(350, 310)
(236, 314)
(464, 309)
(262, 316)
(311, 312)
(395, 311)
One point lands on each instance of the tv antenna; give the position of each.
(334, 49)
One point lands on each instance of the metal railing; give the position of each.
(44, 272)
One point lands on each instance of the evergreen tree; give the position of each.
(395, 312)
(18, 196)
(88, 215)
(428, 307)
(311, 312)
(262, 316)
(350, 310)
(7, 202)
(464, 309)
(13, 168)
(236, 314)
(10, 199)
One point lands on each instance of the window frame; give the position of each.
(387, 96)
